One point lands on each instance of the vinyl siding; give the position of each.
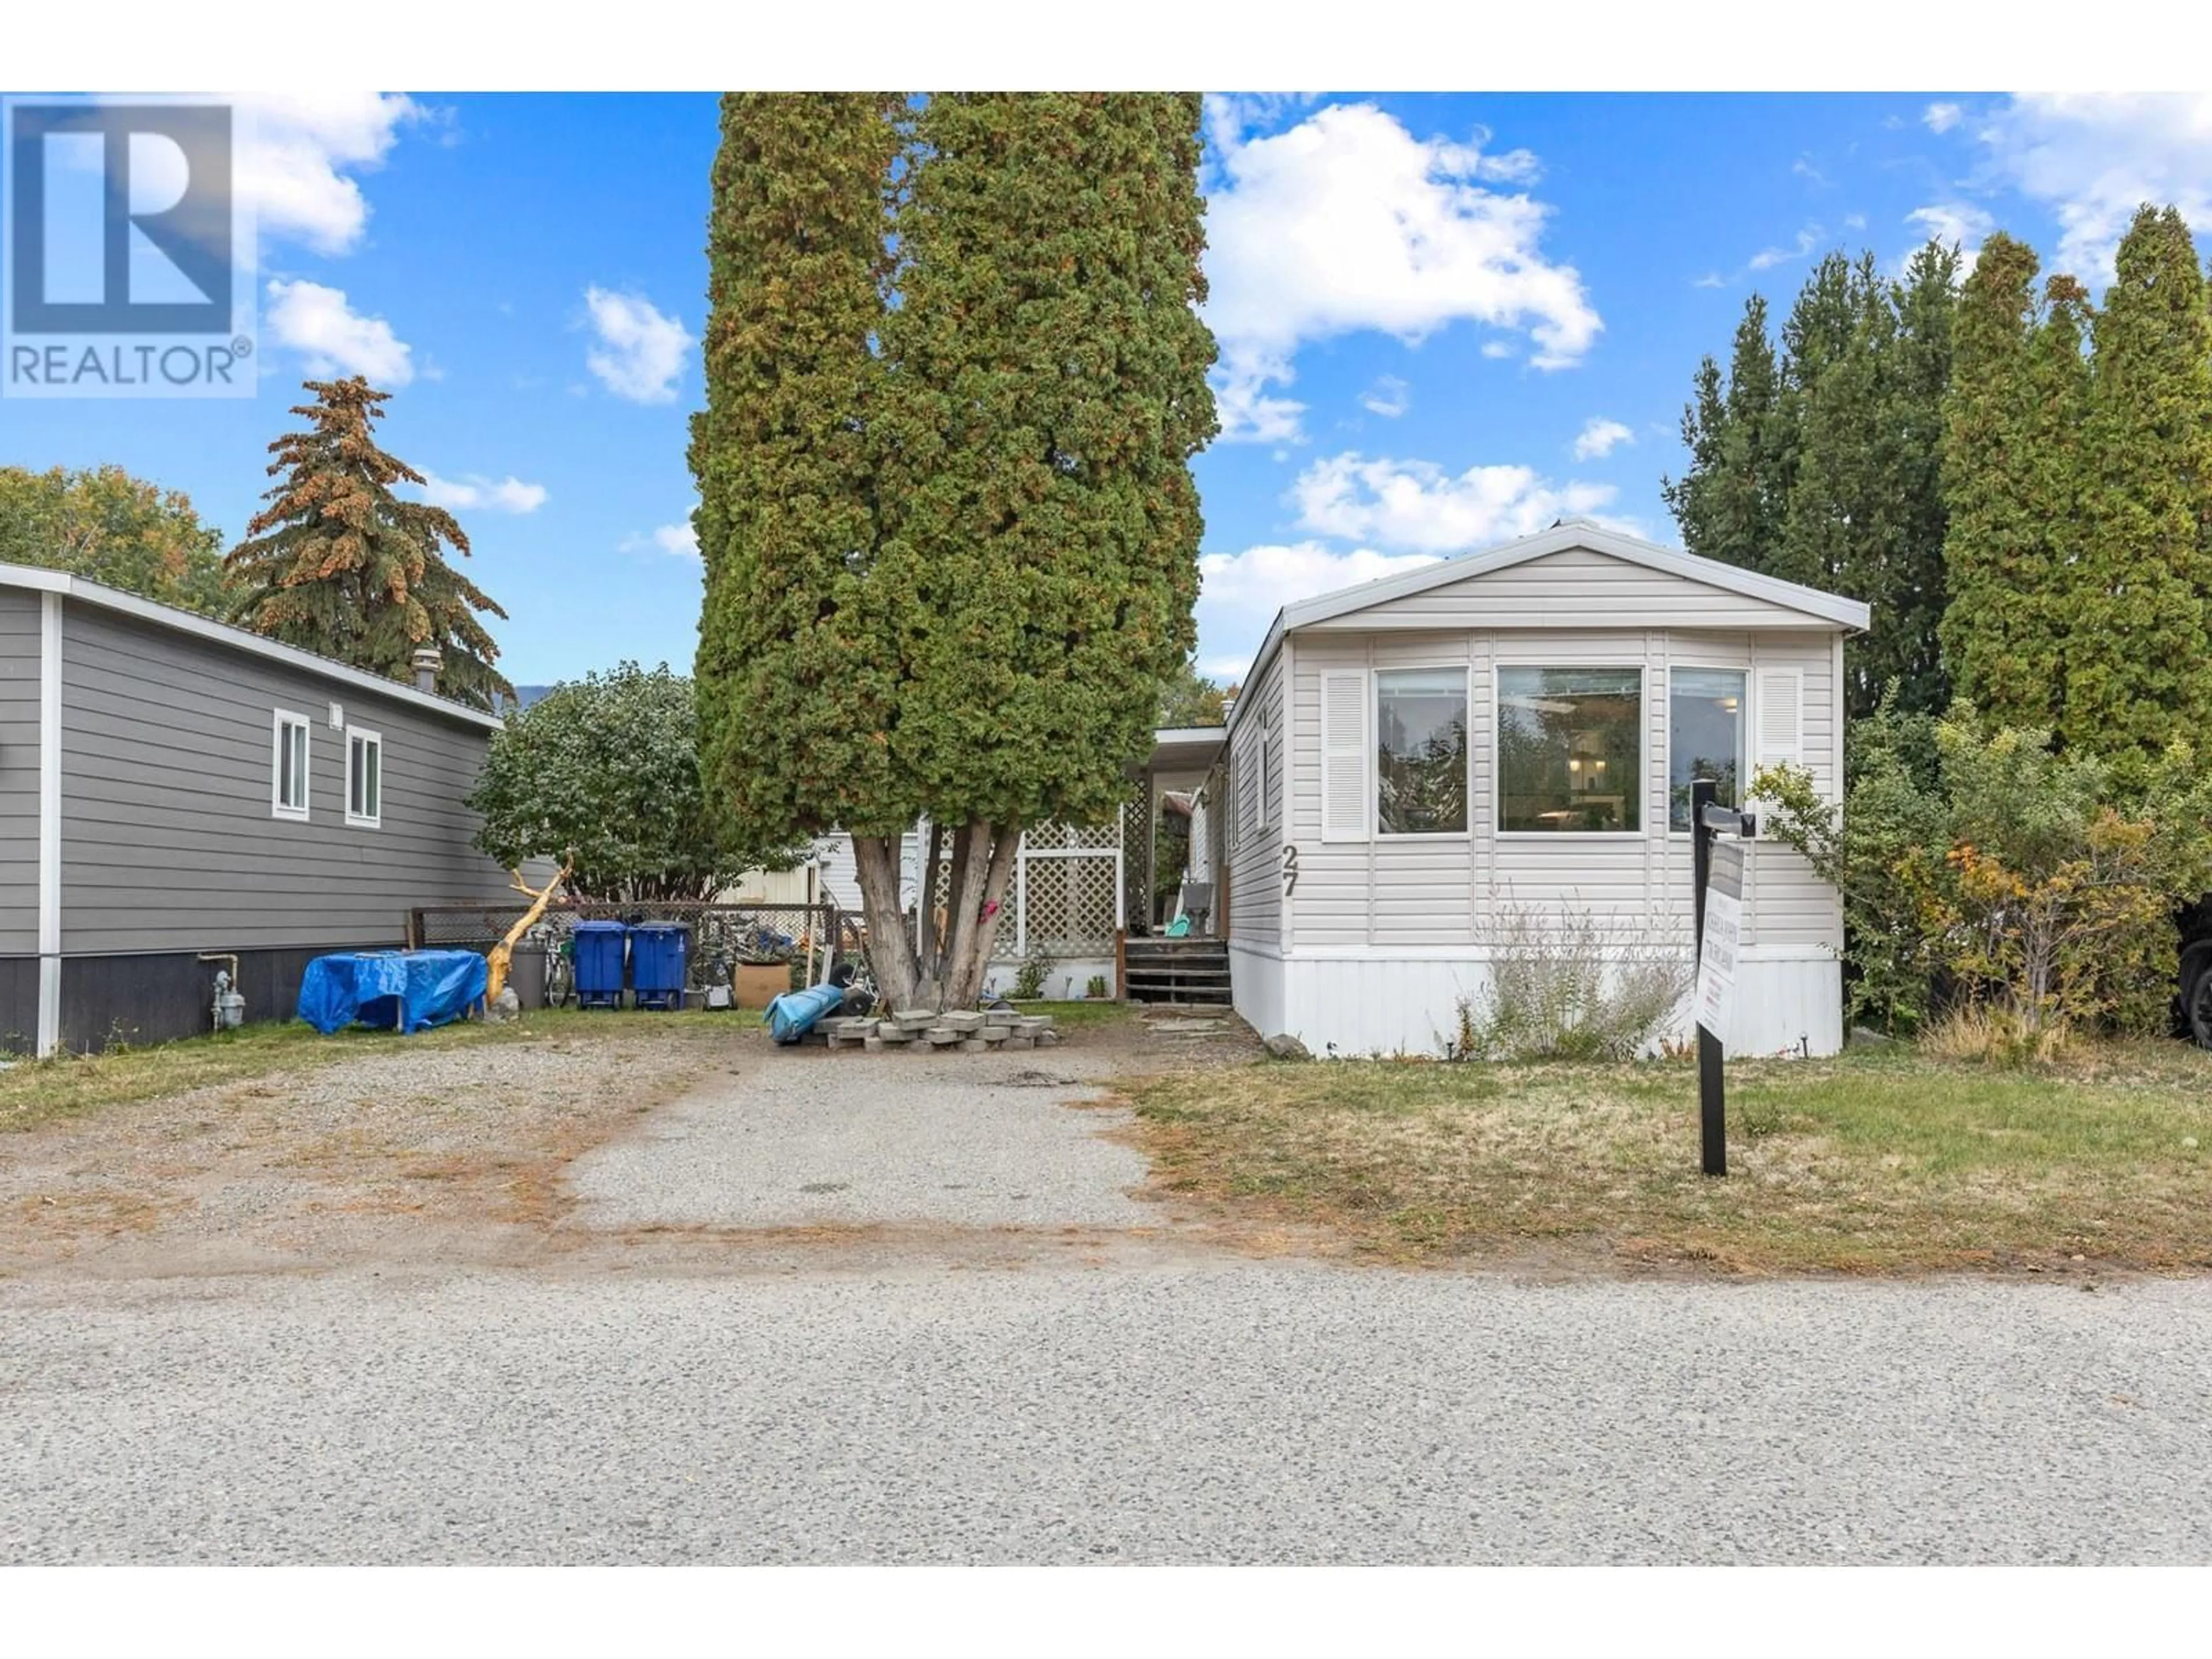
(19, 772)
(168, 842)
(1580, 588)
(1433, 894)
(1256, 879)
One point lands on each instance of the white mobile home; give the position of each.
(1413, 760)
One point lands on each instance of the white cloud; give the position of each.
(1265, 578)
(1600, 438)
(1767, 257)
(677, 540)
(1496, 349)
(641, 352)
(1347, 222)
(1711, 279)
(2095, 157)
(475, 492)
(1855, 221)
(334, 338)
(1941, 117)
(1951, 222)
(1418, 507)
(1389, 396)
(299, 151)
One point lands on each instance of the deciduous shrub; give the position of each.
(2039, 887)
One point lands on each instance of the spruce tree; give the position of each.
(2139, 666)
(2000, 557)
(996, 524)
(336, 563)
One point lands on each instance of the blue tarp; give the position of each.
(792, 1015)
(413, 990)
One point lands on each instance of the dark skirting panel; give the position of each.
(19, 1005)
(158, 997)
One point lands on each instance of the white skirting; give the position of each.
(1785, 1002)
(1066, 981)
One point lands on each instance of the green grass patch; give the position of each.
(1884, 1162)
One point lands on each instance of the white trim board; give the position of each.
(50, 823)
(64, 586)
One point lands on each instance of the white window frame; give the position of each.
(279, 720)
(1374, 678)
(1571, 837)
(373, 820)
(1746, 764)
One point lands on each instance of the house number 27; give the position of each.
(1290, 871)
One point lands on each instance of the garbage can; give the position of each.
(659, 952)
(525, 972)
(600, 950)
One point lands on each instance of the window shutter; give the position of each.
(1781, 723)
(1345, 807)
(1777, 737)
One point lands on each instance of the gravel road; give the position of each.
(1229, 1411)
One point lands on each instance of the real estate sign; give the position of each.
(1724, 931)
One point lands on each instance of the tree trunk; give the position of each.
(964, 975)
(890, 948)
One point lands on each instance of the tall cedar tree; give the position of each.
(986, 575)
(799, 671)
(336, 563)
(1730, 503)
(2139, 668)
(2003, 551)
(1817, 463)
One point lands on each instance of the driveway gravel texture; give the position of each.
(890, 1309)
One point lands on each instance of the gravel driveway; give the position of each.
(1227, 1411)
(809, 1137)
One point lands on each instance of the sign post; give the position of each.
(1716, 868)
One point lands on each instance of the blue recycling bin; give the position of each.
(659, 953)
(601, 948)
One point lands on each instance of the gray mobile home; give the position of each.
(171, 787)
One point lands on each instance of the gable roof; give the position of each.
(38, 579)
(1574, 533)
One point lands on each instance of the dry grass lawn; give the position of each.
(1869, 1164)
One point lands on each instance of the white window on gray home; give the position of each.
(364, 778)
(1705, 736)
(288, 766)
(1570, 749)
(1421, 751)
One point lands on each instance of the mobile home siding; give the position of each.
(19, 772)
(1596, 590)
(1255, 881)
(169, 843)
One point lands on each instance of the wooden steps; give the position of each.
(1186, 972)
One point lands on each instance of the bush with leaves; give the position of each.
(1565, 986)
(2034, 881)
(608, 767)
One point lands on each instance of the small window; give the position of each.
(287, 770)
(1569, 746)
(1705, 736)
(1421, 751)
(364, 778)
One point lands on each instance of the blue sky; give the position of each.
(1445, 319)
